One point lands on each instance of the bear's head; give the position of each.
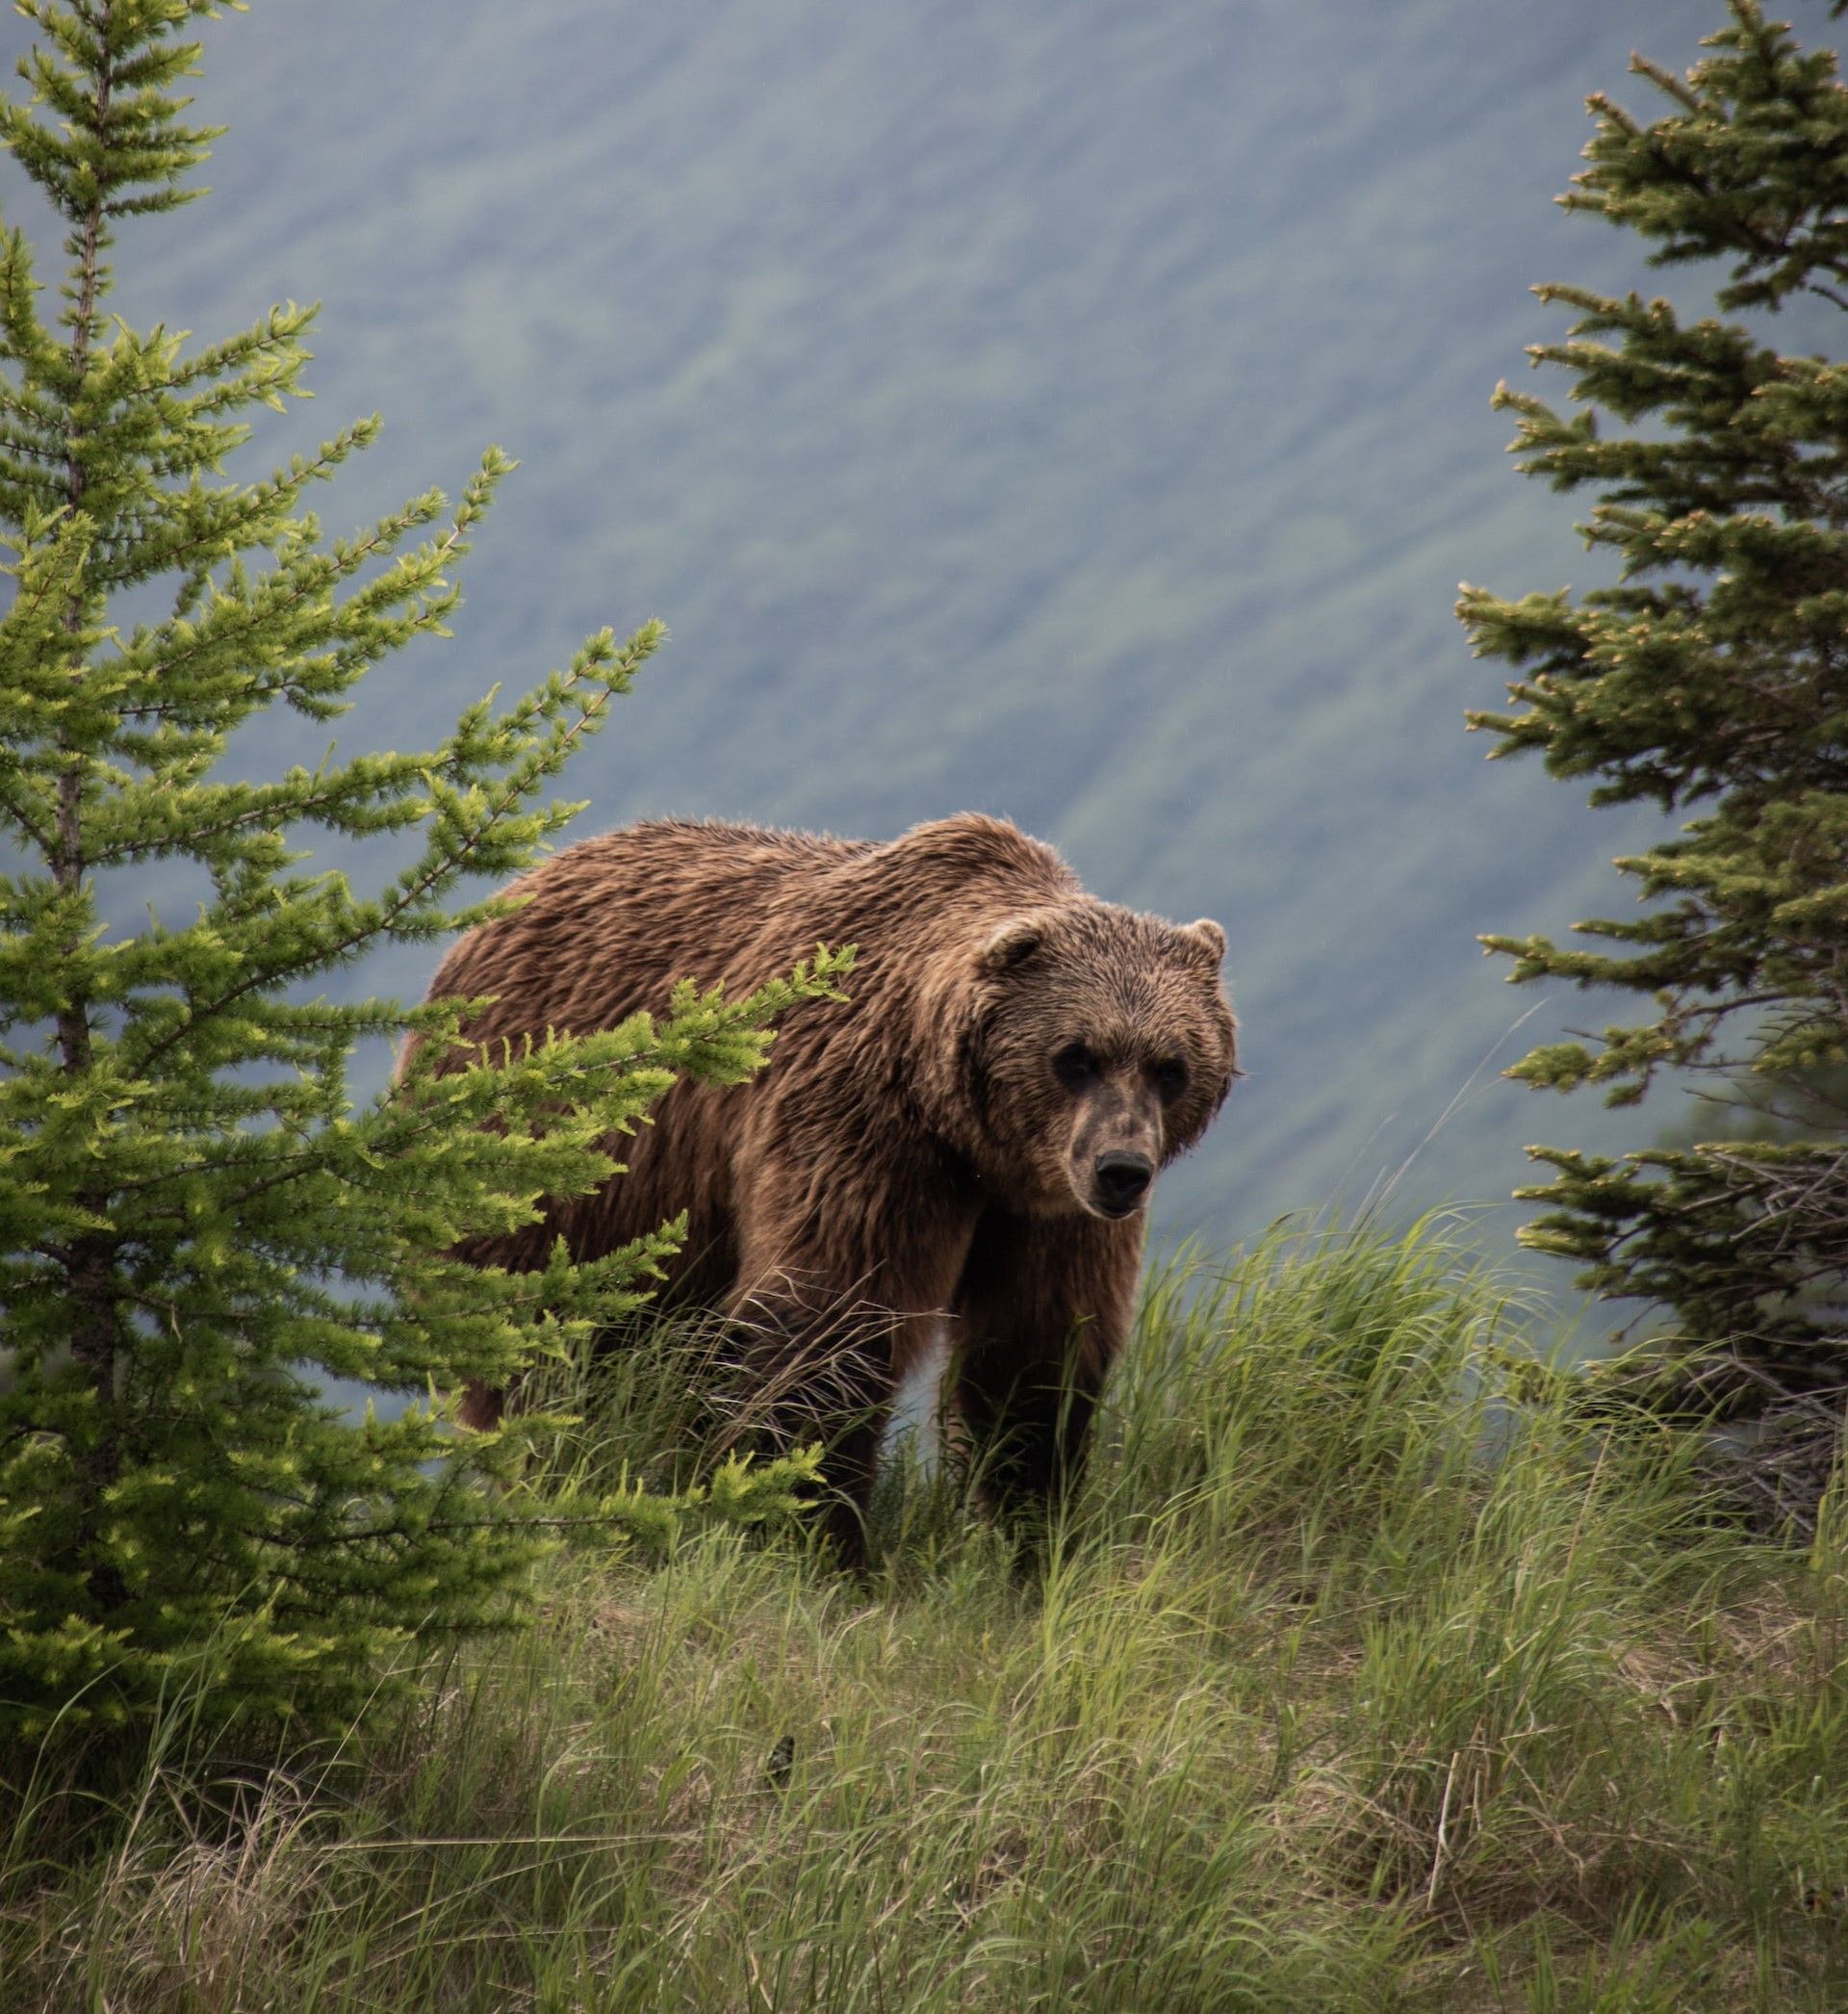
(1099, 1048)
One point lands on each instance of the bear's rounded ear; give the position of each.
(1204, 931)
(1013, 944)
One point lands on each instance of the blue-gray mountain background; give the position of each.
(1078, 413)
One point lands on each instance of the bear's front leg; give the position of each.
(841, 1288)
(1045, 1306)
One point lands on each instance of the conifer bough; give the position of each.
(199, 1224)
(1711, 682)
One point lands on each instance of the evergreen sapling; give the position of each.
(200, 1224)
(1712, 682)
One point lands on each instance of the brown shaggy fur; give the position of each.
(962, 1139)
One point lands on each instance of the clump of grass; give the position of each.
(1350, 1683)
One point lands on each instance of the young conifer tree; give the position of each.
(1710, 681)
(197, 1224)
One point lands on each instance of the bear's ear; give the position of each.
(1013, 944)
(1207, 933)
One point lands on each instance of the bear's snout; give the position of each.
(1121, 1180)
(1115, 1145)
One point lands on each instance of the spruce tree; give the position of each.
(1711, 682)
(199, 1224)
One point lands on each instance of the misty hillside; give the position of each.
(1078, 414)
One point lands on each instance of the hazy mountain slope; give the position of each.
(1074, 412)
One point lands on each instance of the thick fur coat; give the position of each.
(962, 1151)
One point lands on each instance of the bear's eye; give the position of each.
(1170, 1079)
(1075, 1067)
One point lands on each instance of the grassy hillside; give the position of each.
(1352, 1688)
(1077, 413)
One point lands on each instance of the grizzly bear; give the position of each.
(962, 1151)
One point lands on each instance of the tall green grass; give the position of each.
(1348, 1684)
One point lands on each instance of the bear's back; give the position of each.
(609, 925)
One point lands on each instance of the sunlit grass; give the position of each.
(1349, 1685)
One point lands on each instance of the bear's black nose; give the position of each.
(1122, 1178)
